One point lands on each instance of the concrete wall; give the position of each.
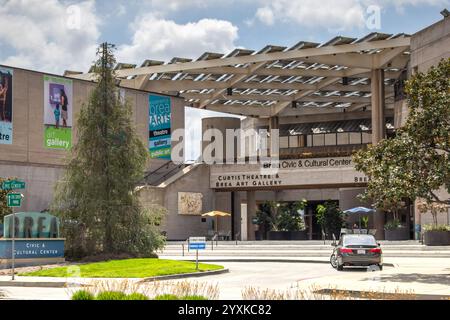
(430, 45)
(27, 158)
(180, 227)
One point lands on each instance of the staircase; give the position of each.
(293, 249)
(163, 173)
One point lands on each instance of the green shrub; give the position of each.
(82, 295)
(111, 295)
(167, 297)
(194, 297)
(136, 296)
(439, 227)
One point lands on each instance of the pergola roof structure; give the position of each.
(277, 81)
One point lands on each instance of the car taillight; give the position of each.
(375, 250)
(345, 250)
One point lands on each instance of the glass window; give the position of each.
(362, 239)
(318, 140)
(330, 139)
(284, 142)
(355, 138)
(366, 137)
(342, 138)
(293, 142)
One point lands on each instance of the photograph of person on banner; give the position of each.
(58, 112)
(6, 106)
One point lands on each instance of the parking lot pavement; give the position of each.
(427, 276)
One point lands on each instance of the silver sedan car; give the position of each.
(358, 250)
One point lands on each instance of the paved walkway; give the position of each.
(425, 276)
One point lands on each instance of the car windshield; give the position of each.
(358, 240)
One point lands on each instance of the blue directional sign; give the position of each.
(197, 246)
(197, 243)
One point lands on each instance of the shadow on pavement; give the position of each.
(414, 277)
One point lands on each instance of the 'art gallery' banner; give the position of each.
(6, 125)
(58, 106)
(159, 127)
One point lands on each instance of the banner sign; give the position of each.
(58, 106)
(6, 108)
(159, 127)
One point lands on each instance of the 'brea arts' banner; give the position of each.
(58, 113)
(159, 127)
(6, 126)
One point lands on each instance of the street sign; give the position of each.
(197, 243)
(14, 200)
(13, 185)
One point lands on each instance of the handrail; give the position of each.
(236, 236)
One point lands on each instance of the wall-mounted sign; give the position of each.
(190, 203)
(58, 108)
(159, 127)
(6, 106)
(286, 173)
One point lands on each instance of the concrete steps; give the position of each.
(301, 249)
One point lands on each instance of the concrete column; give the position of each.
(251, 212)
(378, 131)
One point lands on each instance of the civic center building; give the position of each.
(327, 101)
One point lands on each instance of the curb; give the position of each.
(35, 284)
(185, 275)
(279, 260)
(59, 284)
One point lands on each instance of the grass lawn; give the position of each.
(129, 268)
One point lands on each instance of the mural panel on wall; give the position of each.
(190, 203)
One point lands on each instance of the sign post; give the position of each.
(197, 243)
(14, 201)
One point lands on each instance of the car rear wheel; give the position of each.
(333, 260)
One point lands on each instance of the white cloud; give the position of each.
(49, 35)
(157, 38)
(329, 14)
(335, 14)
(265, 15)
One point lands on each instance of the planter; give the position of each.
(396, 234)
(259, 235)
(286, 235)
(298, 235)
(437, 238)
(278, 235)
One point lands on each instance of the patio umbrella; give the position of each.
(216, 214)
(360, 211)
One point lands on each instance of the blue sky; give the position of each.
(52, 35)
(57, 35)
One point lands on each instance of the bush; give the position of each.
(82, 295)
(194, 297)
(289, 217)
(136, 296)
(393, 225)
(111, 295)
(330, 218)
(167, 297)
(439, 227)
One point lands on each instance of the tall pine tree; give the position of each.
(100, 210)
